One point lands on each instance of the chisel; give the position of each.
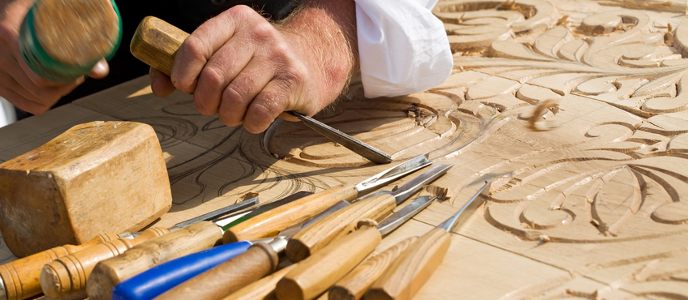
(159, 279)
(108, 273)
(271, 222)
(155, 43)
(315, 274)
(186, 240)
(412, 269)
(67, 275)
(246, 268)
(342, 222)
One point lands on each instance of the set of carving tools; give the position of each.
(325, 236)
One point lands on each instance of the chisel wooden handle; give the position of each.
(108, 273)
(271, 222)
(338, 224)
(409, 272)
(21, 277)
(155, 43)
(224, 279)
(67, 275)
(316, 274)
(262, 289)
(358, 281)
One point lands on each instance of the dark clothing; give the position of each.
(185, 14)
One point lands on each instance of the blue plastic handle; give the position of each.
(164, 277)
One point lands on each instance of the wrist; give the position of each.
(325, 31)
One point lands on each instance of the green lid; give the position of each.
(49, 67)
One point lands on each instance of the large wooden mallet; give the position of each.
(95, 177)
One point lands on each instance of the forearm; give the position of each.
(328, 32)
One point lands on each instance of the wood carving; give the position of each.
(577, 110)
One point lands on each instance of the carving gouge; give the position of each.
(259, 260)
(159, 279)
(342, 222)
(315, 274)
(412, 269)
(67, 275)
(271, 222)
(155, 43)
(20, 279)
(193, 238)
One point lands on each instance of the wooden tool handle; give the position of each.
(261, 289)
(338, 224)
(155, 43)
(21, 277)
(67, 275)
(187, 240)
(314, 275)
(409, 272)
(228, 277)
(358, 281)
(271, 222)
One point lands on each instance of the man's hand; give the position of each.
(250, 71)
(18, 83)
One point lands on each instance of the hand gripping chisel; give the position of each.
(412, 269)
(203, 235)
(155, 43)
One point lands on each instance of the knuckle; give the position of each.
(194, 47)
(212, 76)
(264, 31)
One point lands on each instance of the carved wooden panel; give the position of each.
(575, 109)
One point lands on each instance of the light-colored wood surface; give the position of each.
(96, 167)
(588, 195)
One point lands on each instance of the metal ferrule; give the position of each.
(3, 291)
(278, 244)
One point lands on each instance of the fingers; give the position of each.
(160, 83)
(237, 96)
(197, 49)
(221, 69)
(100, 70)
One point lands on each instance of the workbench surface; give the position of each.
(575, 109)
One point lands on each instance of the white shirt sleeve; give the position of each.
(403, 47)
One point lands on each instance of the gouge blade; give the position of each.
(466, 210)
(220, 212)
(391, 174)
(360, 148)
(395, 220)
(411, 187)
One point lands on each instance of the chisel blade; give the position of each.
(391, 174)
(371, 153)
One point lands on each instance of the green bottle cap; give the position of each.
(61, 40)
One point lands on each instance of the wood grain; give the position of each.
(226, 278)
(46, 190)
(108, 273)
(319, 234)
(592, 208)
(359, 280)
(409, 272)
(271, 222)
(21, 277)
(263, 289)
(155, 42)
(67, 275)
(314, 275)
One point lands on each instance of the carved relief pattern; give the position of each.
(612, 171)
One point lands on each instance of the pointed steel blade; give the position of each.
(409, 211)
(466, 211)
(392, 174)
(411, 187)
(360, 148)
(220, 212)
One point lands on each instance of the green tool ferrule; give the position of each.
(43, 64)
